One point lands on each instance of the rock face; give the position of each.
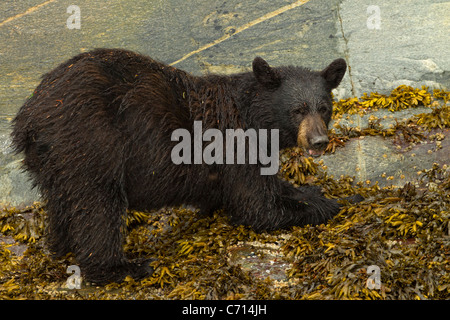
(15, 184)
(395, 43)
(378, 160)
(385, 45)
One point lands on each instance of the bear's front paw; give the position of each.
(354, 198)
(140, 268)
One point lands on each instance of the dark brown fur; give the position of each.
(97, 139)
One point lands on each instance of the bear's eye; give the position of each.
(301, 111)
(323, 109)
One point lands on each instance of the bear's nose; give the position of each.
(319, 142)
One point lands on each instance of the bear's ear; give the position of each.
(264, 73)
(334, 73)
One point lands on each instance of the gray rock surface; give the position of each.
(377, 159)
(410, 45)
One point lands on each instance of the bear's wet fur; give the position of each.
(96, 135)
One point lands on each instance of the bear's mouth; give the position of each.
(314, 152)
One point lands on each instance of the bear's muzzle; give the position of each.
(313, 135)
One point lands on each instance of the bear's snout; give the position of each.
(313, 135)
(319, 142)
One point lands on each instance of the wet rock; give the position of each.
(15, 184)
(377, 159)
(262, 260)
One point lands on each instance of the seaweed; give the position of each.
(404, 231)
(402, 97)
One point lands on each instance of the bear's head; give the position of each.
(300, 101)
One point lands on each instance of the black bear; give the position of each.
(97, 138)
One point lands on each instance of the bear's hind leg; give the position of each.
(57, 228)
(97, 232)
